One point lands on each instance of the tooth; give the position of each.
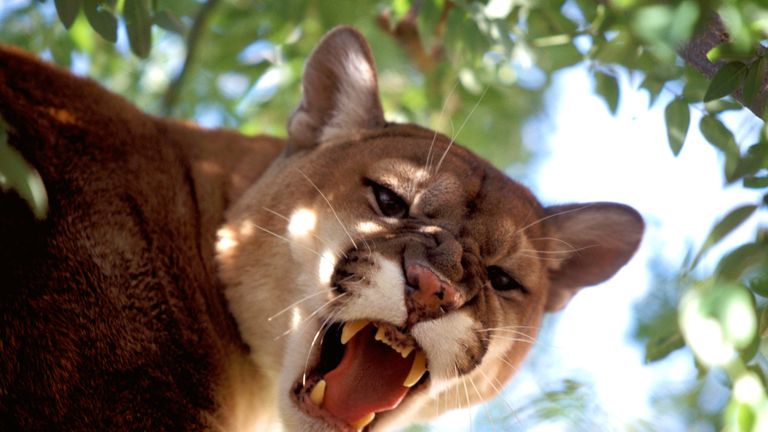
(363, 422)
(318, 393)
(381, 335)
(406, 351)
(351, 328)
(418, 368)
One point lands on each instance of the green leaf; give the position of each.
(733, 265)
(607, 86)
(727, 79)
(678, 118)
(722, 105)
(726, 225)
(17, 174)
(102, 20)
(718, 134)
(67, 11)
(654, 87)
(659, 348)
(755, 159)
(138, 23)
(759, 286)
(754, 79)
(169, 21)
(756, 182)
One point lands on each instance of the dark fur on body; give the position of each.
(134, 323)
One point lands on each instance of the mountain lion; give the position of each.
(358, 275)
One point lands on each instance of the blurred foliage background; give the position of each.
(237, 64)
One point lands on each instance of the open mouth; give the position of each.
(365, 368)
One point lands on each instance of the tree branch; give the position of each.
(193, 41)
(406, 33)
(695, 52)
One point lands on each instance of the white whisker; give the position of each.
(287, 308)
(338, 219)
(286, 239)
(485, 407)
(434, 137)
(536, 222)
(323, 328)
(320, 239)
(453, 138)
(326, 304)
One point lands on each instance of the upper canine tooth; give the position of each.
(363, 422)
(317, 395)
(351, 328)
(418, 368)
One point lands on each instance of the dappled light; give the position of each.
(302, 223)
(326, 266)
(226, 240)
(677, 340)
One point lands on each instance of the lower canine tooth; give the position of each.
(418, 368)
(363, 422)
(318, 393)
(351, 328)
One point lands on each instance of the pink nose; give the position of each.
(428, 297)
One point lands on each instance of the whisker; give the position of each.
(515, 332)
(326, 304)
(338, 219)
(323, 329)
(434, 138)
(536, 222)
(325, 242)
(469, 402)
(453, 139)
(572, 247)
(513, 327)
(485, 407)
(286, 239)
(552, 259)
(287, 308)
(562, 252)
(497, 386)
(458, 396)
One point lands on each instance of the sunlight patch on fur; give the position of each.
(326, 266)
(295, 317)
(302, 223)
(368, 227)
(226, 240)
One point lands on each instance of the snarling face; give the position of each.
(379, 271)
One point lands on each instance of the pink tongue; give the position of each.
(368, 379)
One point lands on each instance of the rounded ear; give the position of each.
(594, 241)
(341, 95)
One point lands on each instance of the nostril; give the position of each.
(427, 289)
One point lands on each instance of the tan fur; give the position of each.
(289, 251)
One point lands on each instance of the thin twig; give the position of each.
(193, 42)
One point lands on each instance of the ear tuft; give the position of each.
(596, 240)
(341, 94)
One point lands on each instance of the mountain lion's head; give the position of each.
(378, 270)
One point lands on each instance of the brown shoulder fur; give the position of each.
(137, 310)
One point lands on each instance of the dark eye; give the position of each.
(501, 281)
(390, 204)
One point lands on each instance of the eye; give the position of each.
(390, 204)
(501, 281)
